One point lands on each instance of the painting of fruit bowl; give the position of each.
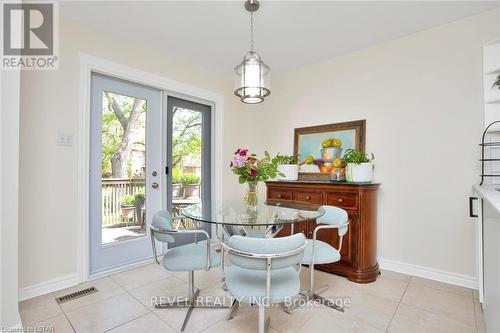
(320, 148)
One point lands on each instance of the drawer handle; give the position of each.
(308, 198)
(339, 200)
(279, 195)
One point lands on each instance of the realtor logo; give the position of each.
(29, 37)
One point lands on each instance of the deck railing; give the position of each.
(113, 191)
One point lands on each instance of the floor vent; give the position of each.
(75, 295)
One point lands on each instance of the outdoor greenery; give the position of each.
(186, 136)
(190, 179)
(357, 157)
(285, 159)
(139, 196)
(252, 170)
(122, 117)
(128, 200)
(176, 175)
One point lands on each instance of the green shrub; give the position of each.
(357, 157)
(176, 176)
(128, 200)
(139, 196)
(189, 179)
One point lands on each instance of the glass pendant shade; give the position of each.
(253, 79)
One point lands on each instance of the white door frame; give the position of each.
(89, 64)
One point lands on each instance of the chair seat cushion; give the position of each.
(190, 257)
(250, 285)
(325, 253)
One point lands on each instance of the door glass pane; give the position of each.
(123, 165)
(186, 159)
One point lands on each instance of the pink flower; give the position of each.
(253, 172)
(243, 152)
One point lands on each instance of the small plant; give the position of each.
(139, 196)
(497, 82)
(357, 157)
(190, 179)
(128, 200)
(285, 159)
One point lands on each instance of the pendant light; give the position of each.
(253, 76)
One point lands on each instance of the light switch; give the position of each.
(64, 139)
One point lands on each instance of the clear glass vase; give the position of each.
(250, 198)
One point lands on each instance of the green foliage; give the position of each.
(139, 196)
(285, 159)
(186, 135)
(176, 176)
(128, 200)
(357, 157)
(254, 170)
(112, 130)
(497, 82)
(190, 179)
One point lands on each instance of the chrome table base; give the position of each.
(190, 302)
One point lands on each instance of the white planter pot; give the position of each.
(291, 171)
(359, 173)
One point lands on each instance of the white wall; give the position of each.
(422, 98)
(9, 143)
(49, 105)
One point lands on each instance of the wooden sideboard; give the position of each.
(359, 246)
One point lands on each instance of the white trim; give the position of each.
(121, 268)
(90, 64)
(49, 286)
(429, 273)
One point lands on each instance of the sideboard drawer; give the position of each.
(308, 196)
(279, 194)
(342, 199)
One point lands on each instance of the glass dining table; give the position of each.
(263, 220)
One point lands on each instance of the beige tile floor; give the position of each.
(394, 303)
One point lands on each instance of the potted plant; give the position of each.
(191, 184)
(251, 170)
(177, 189)
(288, 167)
(359, 166)
(127, 206)
(139, 200)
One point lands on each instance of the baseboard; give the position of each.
(120, 268)
(49, 286)
(429, 273)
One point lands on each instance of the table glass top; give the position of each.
(264, 214)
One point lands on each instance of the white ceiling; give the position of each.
(288, 34)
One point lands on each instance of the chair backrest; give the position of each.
(163, 220)
(266, 246)
(334, 216)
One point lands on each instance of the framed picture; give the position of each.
(322, 145)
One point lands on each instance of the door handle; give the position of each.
(471, 207)
(154, 185)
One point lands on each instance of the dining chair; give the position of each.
(185, 258)
(264, 271)
(319, 252)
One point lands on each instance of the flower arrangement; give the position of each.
(252, 170)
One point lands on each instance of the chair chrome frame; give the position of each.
(311, 293)
(263, 322)
(191, 301)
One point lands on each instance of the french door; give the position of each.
(125, 170)
(188, 160)
(148, 151)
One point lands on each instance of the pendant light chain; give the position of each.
(251, 32)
